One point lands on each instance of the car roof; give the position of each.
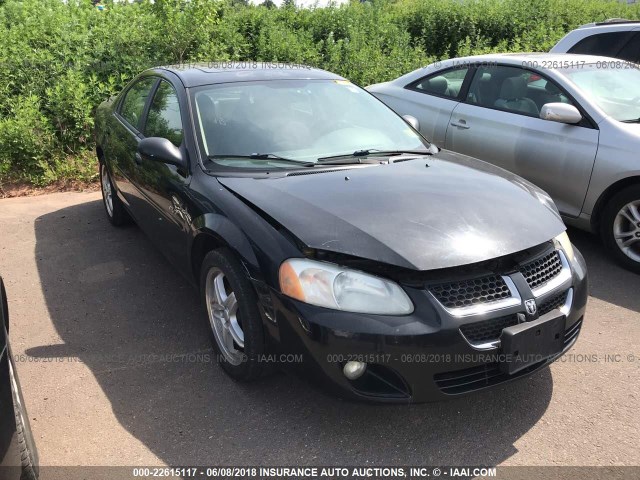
(528, 59)
(196, 74)
(544, 61)
(613, 22)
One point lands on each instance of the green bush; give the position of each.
(69, 105)
(26, 141)
(59, 60)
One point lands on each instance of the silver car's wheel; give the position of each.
(620, 227)
(107, 192)
(626, 230)
(222, 307)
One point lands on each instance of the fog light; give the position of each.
(354, 370)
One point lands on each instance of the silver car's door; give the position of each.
(499, 122)
(430, 99)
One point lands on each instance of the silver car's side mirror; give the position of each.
(411, 120)
(560, 112)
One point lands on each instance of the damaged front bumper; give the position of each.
(425, 356)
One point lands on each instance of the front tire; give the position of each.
(113, 206)
(25, 441)
(620, 227)
(233, 317)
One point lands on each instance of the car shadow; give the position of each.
(137, 325)
(607, 280)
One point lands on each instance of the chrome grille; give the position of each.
(542, 270)
(471, 292)
(556, 301)
(487, 330)
(489, 374)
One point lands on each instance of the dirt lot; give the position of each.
(93, 308)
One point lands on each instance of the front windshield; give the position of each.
(615, 90)
(299, 120)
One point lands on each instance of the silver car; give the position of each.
(568, 123)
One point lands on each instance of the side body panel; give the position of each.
(432, 112)
(557, 157)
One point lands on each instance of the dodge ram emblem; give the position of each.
(531, 306)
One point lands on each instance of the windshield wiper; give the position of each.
(356, 157)
(263, 156)
(632, 120)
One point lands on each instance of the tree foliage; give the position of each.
(59, 60)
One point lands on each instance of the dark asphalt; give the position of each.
(96, 310)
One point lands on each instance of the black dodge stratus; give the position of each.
(321, 228)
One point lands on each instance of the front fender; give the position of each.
(260, 242)
(260, 246)
(225, 232)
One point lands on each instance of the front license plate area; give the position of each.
(531, 342)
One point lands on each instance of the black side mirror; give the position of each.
(161, 150)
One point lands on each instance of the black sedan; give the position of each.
(325, 234)
(18, 454)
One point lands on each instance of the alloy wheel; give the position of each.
(107, 192)
(626, 230)
(222, 307)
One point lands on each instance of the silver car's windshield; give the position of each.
(285, 123)
(614, 90)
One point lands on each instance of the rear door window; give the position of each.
(135, 99)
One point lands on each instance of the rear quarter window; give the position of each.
(442, 84)
(631, 51)
(605, 44)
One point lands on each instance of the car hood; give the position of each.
(427, 213)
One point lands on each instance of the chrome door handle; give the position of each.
(462, 124)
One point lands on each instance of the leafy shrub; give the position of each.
(59, 60)
(26, 141)
(69, 106)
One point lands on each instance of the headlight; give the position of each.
(331, 286)
(563, 242)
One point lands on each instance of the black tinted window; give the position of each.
(631, 51)
(135, 99)
(445, 84)
(164, 115)
(605, 44)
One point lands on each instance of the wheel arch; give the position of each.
(607, 195)
(216, 231)
(4, 306)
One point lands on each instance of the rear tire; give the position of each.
(233, 317)
(115, 210)
(620, 227)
